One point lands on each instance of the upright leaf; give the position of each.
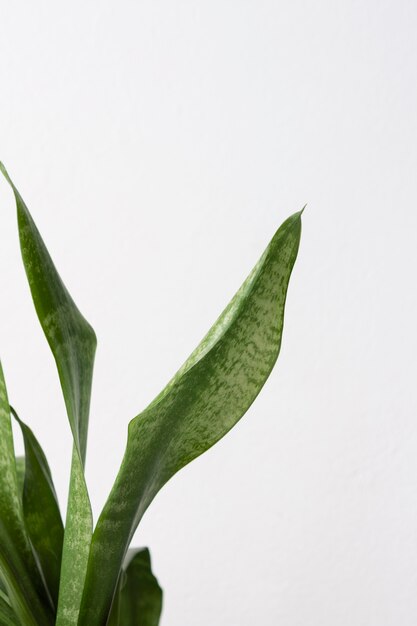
(70, 336)
(20, 471)
(7, 616)
(203, 401)
(41, 511)
(114, 618)
(77, 539)
(139, 601)
(18, 570)
(73, 344)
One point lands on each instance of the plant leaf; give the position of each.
(70, 336)
(115, 611)
(73, 344)
(41, 511)
(139, 601)
(203, 401)
(7, 617)
(77, 540)
(18, 570)
(20, 472)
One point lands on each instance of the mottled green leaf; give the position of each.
(70, 336)
(139, 598)
(41, 511)
(18, 570)
(20, 471)
(77, 539)
(204, 400)
(73, 344)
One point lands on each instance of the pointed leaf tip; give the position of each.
(73, 344)
(4, 171)
(202, 402)
(297, 216)
(6, 175)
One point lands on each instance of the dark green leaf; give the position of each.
(7, 617)
(138, 599)
(204, 400)
(41, 511)
(18, 570)
(70, 336)
(115, 611)
(73, 344)
(140, 594)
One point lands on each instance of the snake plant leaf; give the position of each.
(20, 473)
(18, 570)
(3, 595)
(203, 401)
(70, 336)
(139, 601)
(114, 618)
(7, 616)
(73, 344)
(77, 540)
(41, 511)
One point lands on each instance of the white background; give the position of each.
(159, 145)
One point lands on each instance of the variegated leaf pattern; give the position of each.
(73, 344)
(204, 400)
(18, 570)
(41, 511)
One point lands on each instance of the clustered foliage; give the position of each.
(78, 575)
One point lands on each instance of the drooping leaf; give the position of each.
(18, 570)
(139, 601)
(73, 344)
(203, 401)
(41, 511)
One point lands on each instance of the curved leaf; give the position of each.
(139, 601)
(41, 511)
(73, 344)
(18, 569)
(198, 407)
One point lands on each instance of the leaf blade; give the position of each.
(77, 539)
(200, 405)
(18, 569)
(71, 338)
(73, 344)
(20, 471)
(140, 594)
(41, 511)
(7, 616)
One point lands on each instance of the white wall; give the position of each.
(159, 145)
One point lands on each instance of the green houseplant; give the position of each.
(76, 575)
